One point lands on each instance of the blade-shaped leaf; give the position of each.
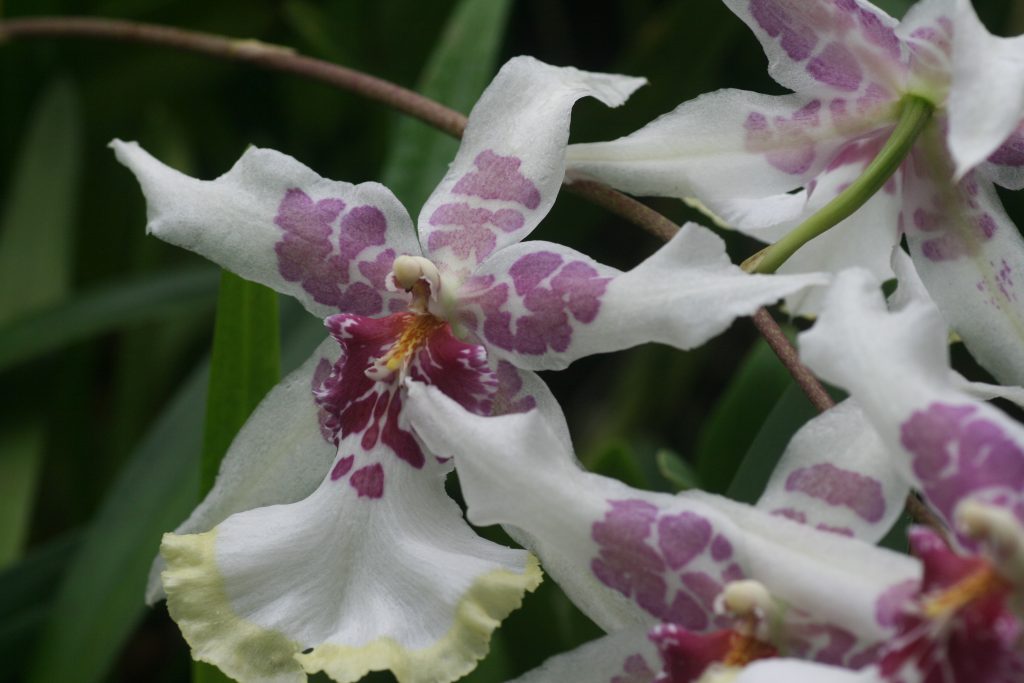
(26, 597)
(245, 364)
(728, 433)
(101, 597)
(105, 309)
(676, 470)
(458, 71)
(35, 248)
(789, 414)
(100, 600)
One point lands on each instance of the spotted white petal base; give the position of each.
(375, 570)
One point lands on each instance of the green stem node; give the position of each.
(915, 113)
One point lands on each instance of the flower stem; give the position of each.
(915, 113)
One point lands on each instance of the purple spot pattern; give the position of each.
(319, 251)
(342, 467)
(930, 49)
(551, 292)
(957, 454)
(945, 229)
(634, 670)
(832, 39)
(368, 481)
(663, 562)
(1011, 152)
(839, 487)
(353, 406)
(469, 230)
(785, 141)
(801, 517)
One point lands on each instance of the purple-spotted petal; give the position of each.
(511, 162)
(541, 305)
(969, 255)
(279, 456)
(986, 99)
(375, 570)
(730, 144)
(846, 47)
(272, 220)
(951, 445)
(1005, 166)
(864, 239)
(628, 557)
(837, 475)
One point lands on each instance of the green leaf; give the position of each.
(105, 309)
(245, 364)
(26, 597)
(35, 249)
(729, 431)
(100, 600)
(677, 471)
(617, 460)
(38, 219)
(459, 69)
(21, 449)
(789, 414)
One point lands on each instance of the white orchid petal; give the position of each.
(838, 48)
(969, 255)
(1005, 166)
(542, 305)
(375, 570)
(272, 220)
(986, 99)
(511, 162)
(629, 557)
(797, 671)
(626, 656)
(279, 456)
(951, 445)
(837, 475)
(726, 144)
(864, 239)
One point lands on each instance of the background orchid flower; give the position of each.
(966, 458)
(471, 317)
(853, 70)
(632, 559)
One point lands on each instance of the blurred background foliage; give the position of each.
(105, 334)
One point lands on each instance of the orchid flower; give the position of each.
(328, 542)
(965, 456)
(857, 77)
(632, 559)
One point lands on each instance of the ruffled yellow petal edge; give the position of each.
(247, 652)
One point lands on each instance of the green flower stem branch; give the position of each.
(915, 112)
(285, 60)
